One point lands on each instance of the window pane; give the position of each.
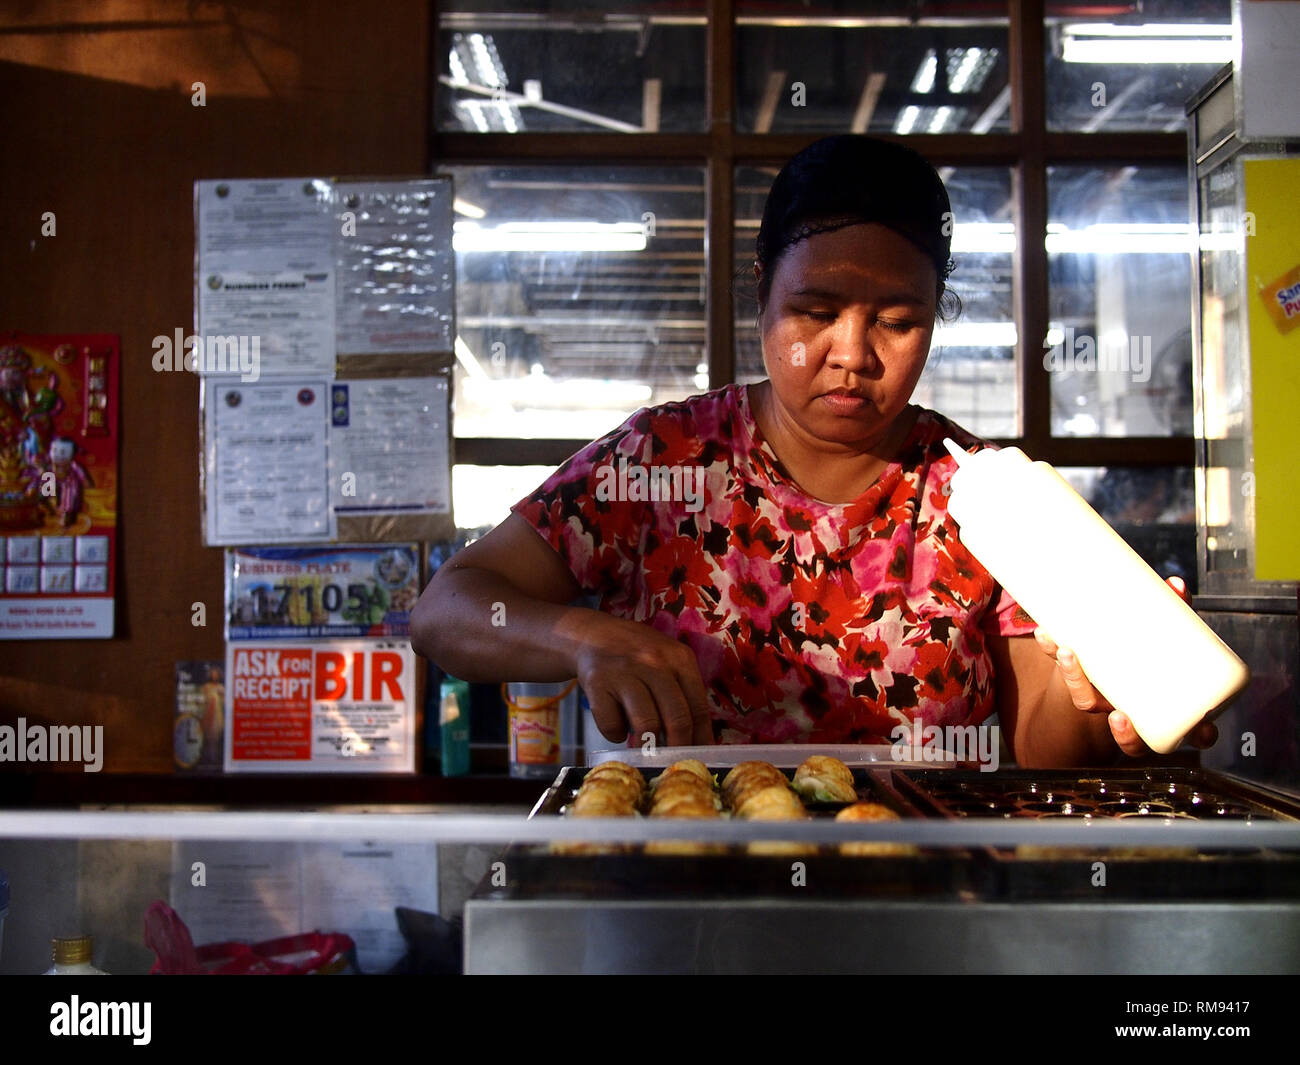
(579, 296)
(1225, 485)
(971, 372)
(873, 66)
(1153, 509)
(1133, 72)
(481, 496)
(542, 66)
(1119, 345)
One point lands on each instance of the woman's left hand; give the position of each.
(1091, 701)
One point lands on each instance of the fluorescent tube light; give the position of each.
(984, 237)
(468, 209)
(924, 80)
(466, 358)
(907, 119)
(1116, 238)
(975, 335)
(475, 112)
(457, 68)
(1105, 42)
(940, 118)
(549, 236)
(484, 53)
(1148, 29)
(958, 80)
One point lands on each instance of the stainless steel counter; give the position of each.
(869, 936)
(1045, 881)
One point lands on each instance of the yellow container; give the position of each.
(534, 728)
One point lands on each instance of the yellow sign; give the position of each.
(1273, 299)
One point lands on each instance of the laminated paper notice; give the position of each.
(390, 446)
(395, 265)
(250, 891)
(322, 706)
(265, 279)
(331, 592)
(267, 461)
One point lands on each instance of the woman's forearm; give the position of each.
(476, 625)
(1059, 734)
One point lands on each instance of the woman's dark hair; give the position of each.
(850, 179)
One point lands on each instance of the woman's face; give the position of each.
(846, 331)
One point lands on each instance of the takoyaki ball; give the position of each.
(691, 790)
(602, 802)
(610, 784)
(687, 848)
(823, 779)
(776, 803)
(750, 770)
(773, 803)
(618, 769)
(872, 811)
(692, 766)
(669, 806)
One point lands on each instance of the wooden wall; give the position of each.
(99, 127)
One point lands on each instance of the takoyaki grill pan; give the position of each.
(535, 871)
(1138, 872)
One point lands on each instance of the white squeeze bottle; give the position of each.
(1139, 644)
(72, 956)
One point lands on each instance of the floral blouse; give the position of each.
(812, 622)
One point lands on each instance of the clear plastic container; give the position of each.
(781, 755)
(593, 741)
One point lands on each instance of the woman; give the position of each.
(775, 563)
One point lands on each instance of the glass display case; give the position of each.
(941, 867)
(1257, 617)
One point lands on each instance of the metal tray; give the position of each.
(536, 872)
(1158, 793)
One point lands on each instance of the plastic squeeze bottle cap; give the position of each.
(1139, 644)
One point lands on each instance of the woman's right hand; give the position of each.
(502, 609)
(639, 680)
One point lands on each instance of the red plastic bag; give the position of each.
(307, 953)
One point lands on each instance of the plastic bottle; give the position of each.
(72, 957)
(453, 719)
(542, 723)
(1139, 644)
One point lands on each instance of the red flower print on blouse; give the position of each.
(680, 575)
(811, 621)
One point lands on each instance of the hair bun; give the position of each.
(851, 179)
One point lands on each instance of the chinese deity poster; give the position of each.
(58, 485)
